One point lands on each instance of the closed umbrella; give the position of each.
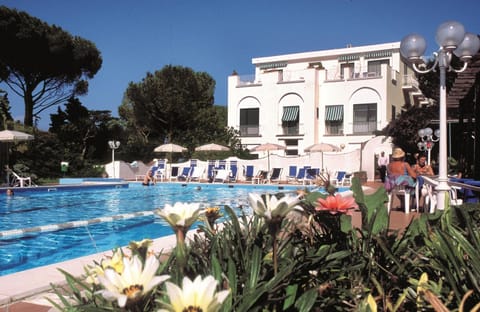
(267, 147)
(212, 147)
(322, 147)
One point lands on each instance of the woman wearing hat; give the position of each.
(399, 171)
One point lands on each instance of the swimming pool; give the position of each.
(47, 245)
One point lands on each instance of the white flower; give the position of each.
(181, 214)
(133, 282)
(198, 295)
(272, 207)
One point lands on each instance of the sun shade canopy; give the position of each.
(290, 113)
(334, 113)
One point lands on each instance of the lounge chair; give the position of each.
(185, 174)
(248, 172)
(300, 178)
(261, 177)
(292, 173)
(19, 181)
(173, 173)
(196, 174)
(275, 175)
(210, 170)
(233, 173)
(221, 176)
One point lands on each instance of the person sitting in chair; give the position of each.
(399, 172)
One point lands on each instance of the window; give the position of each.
(290, 120)
(376, 66)
(364, 118)
(292, 147)
(350, 67)
(334, 119)
(249, 122)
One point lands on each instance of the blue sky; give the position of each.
(219, 36)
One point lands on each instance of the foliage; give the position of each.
(42, 63)
(324, 263)
(174, 104)
(403, 129)
(83, 132)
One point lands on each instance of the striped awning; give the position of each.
(350, 57)
(273, 65)
(377, 54)
(290, 113)
(334, 113)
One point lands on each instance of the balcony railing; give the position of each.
(246, 80)
(246, 131)
(291, 130)
(364, 127)
(334, 129)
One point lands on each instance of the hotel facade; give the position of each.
(340, 96)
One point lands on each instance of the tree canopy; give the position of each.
(43, 64)
(174, 104)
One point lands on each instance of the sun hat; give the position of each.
(398, 153)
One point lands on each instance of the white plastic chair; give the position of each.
(405, 192)
(20, 181)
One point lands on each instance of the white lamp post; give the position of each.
(113, 145)
(452, 38)
(428, 140)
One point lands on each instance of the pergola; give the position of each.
(464, 98)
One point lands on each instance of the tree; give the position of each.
(43, 64)
(174, 104)
(403, 129)
(83, 132)
(5, 114)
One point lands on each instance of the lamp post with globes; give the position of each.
(452, 38)
(113, 145)
(429, 138)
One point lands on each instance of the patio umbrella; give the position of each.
(322, 147)
(212, 147)
(169, 148)
(14, 136)
(267, 147)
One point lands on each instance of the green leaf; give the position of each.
(307, 300)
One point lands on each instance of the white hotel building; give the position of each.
(339, 96)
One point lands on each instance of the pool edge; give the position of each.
(28, 283)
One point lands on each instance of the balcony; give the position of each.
(291, 130)
(249, 131)
(364, 127)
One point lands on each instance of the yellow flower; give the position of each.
(114, 262)
(272, 207)
(133, 282)
(198, 295)
(180, 215)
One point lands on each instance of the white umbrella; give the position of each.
(267, 147)
(322, 147)
(170, 148)
(9, 136)
(14, 136)
(212, 147)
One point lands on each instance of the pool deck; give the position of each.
(28, 290)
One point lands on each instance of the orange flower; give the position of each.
(336, 204)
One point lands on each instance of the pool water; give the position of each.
(32, 209)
